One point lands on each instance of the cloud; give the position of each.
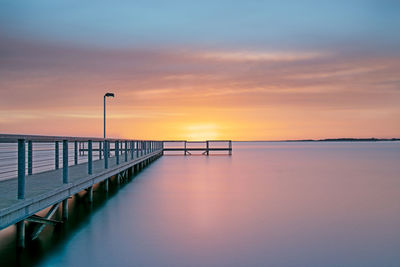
(243, 56)
(67, 84)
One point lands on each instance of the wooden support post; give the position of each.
(90, 157)
(21, 169)
(65, 162)
(185, 151)
(132, 149)
(90, 192)
(116, 146)
(230, 147)
(106, 182)
(207, 151)
(106, 147)
(100, 150)
(21, 234)
(57, 155)
(126, 151)
(137, 148)
(30, 160)
(65, 209)
(75, 152)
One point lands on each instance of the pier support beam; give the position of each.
(21, 234)
(90, 194)
(40, 227)
(65, 209)
(106, 185)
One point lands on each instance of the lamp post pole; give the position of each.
(104, 117)
(106, 95)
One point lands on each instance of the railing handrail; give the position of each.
(7, 138)
(195, 141)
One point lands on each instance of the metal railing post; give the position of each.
(57, 155)
(90, 157)
(30, 154)
(65, 161)
(116, 146)
(132, 150)
(106, 154)
(126, 151)
(100, 150)
(137, 148)
(21, 169)
(76, 152)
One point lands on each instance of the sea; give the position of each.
(267, 204)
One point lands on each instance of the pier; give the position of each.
(40, 172)
(205, 147)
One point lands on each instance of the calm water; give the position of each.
(269, 204)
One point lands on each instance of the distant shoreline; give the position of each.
(332, 140)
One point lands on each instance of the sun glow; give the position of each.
(201, 132)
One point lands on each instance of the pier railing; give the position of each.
(205, 147)
(25, 155)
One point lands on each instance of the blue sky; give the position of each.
(252, 24)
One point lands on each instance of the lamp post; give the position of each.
(106, 95)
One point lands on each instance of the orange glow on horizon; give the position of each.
(224, 95)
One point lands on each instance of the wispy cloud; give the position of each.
(240, 56)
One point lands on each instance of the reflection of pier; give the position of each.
(39, 172)
(202, 146)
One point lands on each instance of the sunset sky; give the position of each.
(240, 70)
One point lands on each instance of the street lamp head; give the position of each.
(109, 94)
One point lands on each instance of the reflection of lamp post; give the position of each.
(106, 95)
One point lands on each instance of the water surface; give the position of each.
(271, 204)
